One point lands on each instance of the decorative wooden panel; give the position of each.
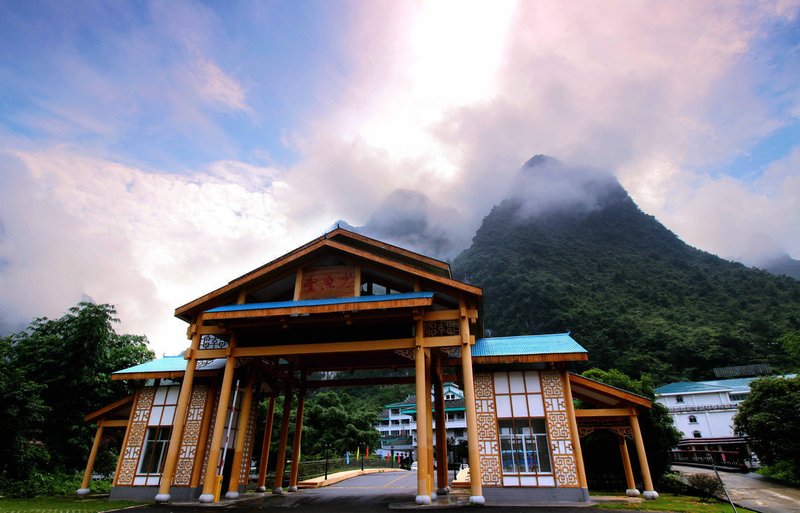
(489, 446)
(564, 464)
(247, 452)
(135, 438)
(191, 436)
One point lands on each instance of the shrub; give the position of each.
(705, 486)
(673, 482)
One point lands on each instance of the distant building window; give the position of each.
(692, 419)
(679, 398)
(697, 434)
(450, 397)
(739, 397)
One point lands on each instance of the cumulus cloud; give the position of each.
(146, 241)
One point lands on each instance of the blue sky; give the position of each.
(151, 151)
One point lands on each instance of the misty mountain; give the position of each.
(783, 265)
(409, 219)
(571, 251)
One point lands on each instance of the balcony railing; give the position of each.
(704, 407)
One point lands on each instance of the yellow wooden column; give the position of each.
(267, 440)
(280, 464)
(573, 431)
(179, 419)
(210, 481)
(475, 477)
(423, 494)
(649, 493)
(441, 432)
(429, 426)
(298, 433)
(241, 438)
(626, 464)
(87, 474)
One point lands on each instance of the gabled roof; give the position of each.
(600, 394)
(341, 241)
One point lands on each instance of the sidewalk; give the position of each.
(318, 482)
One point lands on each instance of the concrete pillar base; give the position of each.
(83, 491)
(278, 490)
(261, 489)
(632, 492)
(650, 495)
(423, 500)
(292, 488)
(232, 495)
(206, 498)
(162, 497)
(477, 499)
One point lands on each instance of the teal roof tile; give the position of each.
(168, 364)
(557, 343)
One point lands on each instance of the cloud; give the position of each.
(653, 92)
(146, 241)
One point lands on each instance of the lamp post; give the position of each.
(327, 446)
(363, 447)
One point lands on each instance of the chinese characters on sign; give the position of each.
(328, 282)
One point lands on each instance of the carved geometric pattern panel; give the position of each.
(441, 328)
(191, 436)
(135, 438)
(488, 444)
(620, 427)
(565, 467)
(244, 471)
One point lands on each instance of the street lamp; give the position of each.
(327, 446)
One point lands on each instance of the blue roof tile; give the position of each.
(168, 364)
(322, 302)
(557, 343)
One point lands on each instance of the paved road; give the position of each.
(754, 492)
(372, 493)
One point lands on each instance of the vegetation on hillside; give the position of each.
(633, 294)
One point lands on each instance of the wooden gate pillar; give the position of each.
(267, 440)
(649, 492)
(423, 493)
(298, 435)
(441, 431)
(210, 481)
(280, 464)
(475, 477)
(241, 438)
(626, 464)
(87, 474)
(173, 451)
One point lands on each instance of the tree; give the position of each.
(658, 430)
(770, 419)
(339, 420)
(62, 368)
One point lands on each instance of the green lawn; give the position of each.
(675, 504)
(63, 505)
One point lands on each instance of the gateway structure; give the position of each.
(345, 302)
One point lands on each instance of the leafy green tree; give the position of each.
(65, 365)
(658, 430)
(770, 419)
(22, 415)
(339, 420)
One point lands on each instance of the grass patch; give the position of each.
(674, 504)
(63, 505)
